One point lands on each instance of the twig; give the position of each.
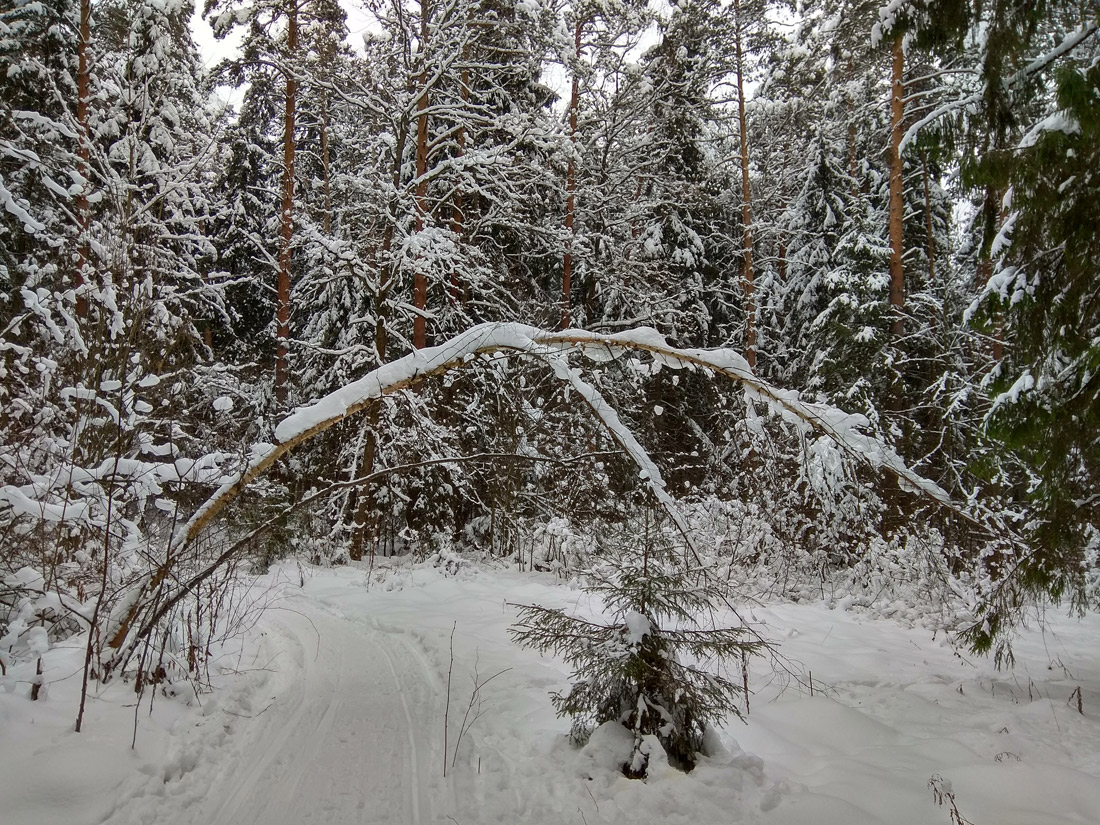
(1076, 693)
(447, 707)
(475, 697)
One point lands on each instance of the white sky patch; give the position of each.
(212, 50)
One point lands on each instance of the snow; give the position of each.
(1056, 122)
(23, 504)
(331, 710)
(637, 628)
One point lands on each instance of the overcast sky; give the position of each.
(214, 50)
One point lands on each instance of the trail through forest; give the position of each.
(346, 736)
(345, 699)
(348, 742)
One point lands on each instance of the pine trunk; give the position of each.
(460, 151)
(931, 245)
(286, 217)
(420, 281)
(748, 284)
(897, 204)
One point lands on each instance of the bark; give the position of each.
(985, 273)
(286, 218)
(364, 502)
(420, 281)
(985, 270)
(457, 214)
(362, 523)
(897, 205)
(748, 284)
(894, 517)
(325, 164)
(853, 161)
(571, 185)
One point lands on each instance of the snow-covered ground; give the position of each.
(332, 710)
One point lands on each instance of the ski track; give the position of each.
(349, 739)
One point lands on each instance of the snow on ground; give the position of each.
(332, 711)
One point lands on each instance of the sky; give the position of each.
(358, 22)
(214, 50)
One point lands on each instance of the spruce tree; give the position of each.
(653, 662)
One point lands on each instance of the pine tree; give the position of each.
(272, 53)
(1020, 128)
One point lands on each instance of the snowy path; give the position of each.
(333, 712)
(348, 740)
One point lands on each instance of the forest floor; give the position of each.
(330, 707)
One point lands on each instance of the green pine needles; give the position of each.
(653, 666)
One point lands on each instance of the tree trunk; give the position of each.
(364, 496)
(571, 184)
(364, 500)
(853, 160)
(931, 245)
(748, 284)
(286, 217)
(83, 149)
(897, 204)
(457, 216)
(325, 165)
(893, 516)
(420, 280)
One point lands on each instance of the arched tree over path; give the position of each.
(153, 597)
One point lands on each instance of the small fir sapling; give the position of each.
(638, 667)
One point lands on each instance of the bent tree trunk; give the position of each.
(552, 348)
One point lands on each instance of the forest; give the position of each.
(797, 295)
